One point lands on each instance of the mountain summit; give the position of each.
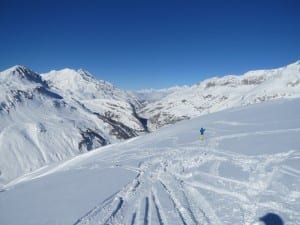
(82, 85)
(20, 74)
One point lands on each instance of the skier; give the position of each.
(202, 130)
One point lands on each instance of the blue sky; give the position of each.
(150, 43)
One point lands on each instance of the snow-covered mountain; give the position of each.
(43, 121)
(216, 94)
(81, 85)
(50, 117)
(98, 96)
(247, 166)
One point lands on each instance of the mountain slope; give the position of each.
(40, 124)
(247, 166)
(216, 94)
(98, 96)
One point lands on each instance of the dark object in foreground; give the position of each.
(271, 219)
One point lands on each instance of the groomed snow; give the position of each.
(248, 165)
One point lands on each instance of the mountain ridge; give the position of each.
(78, 113)
(216, 94)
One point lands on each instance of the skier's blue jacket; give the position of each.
(202, 131)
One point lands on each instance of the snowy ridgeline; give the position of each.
(247, 166)
(216, 94)
(54, 116)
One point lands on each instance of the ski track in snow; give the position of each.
(177, 179)
(171, 186)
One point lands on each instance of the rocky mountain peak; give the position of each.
(22, 74)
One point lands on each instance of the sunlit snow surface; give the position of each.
(248, 165)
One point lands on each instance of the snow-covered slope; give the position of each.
(216, 94)
(247, 166)
(40, 124)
